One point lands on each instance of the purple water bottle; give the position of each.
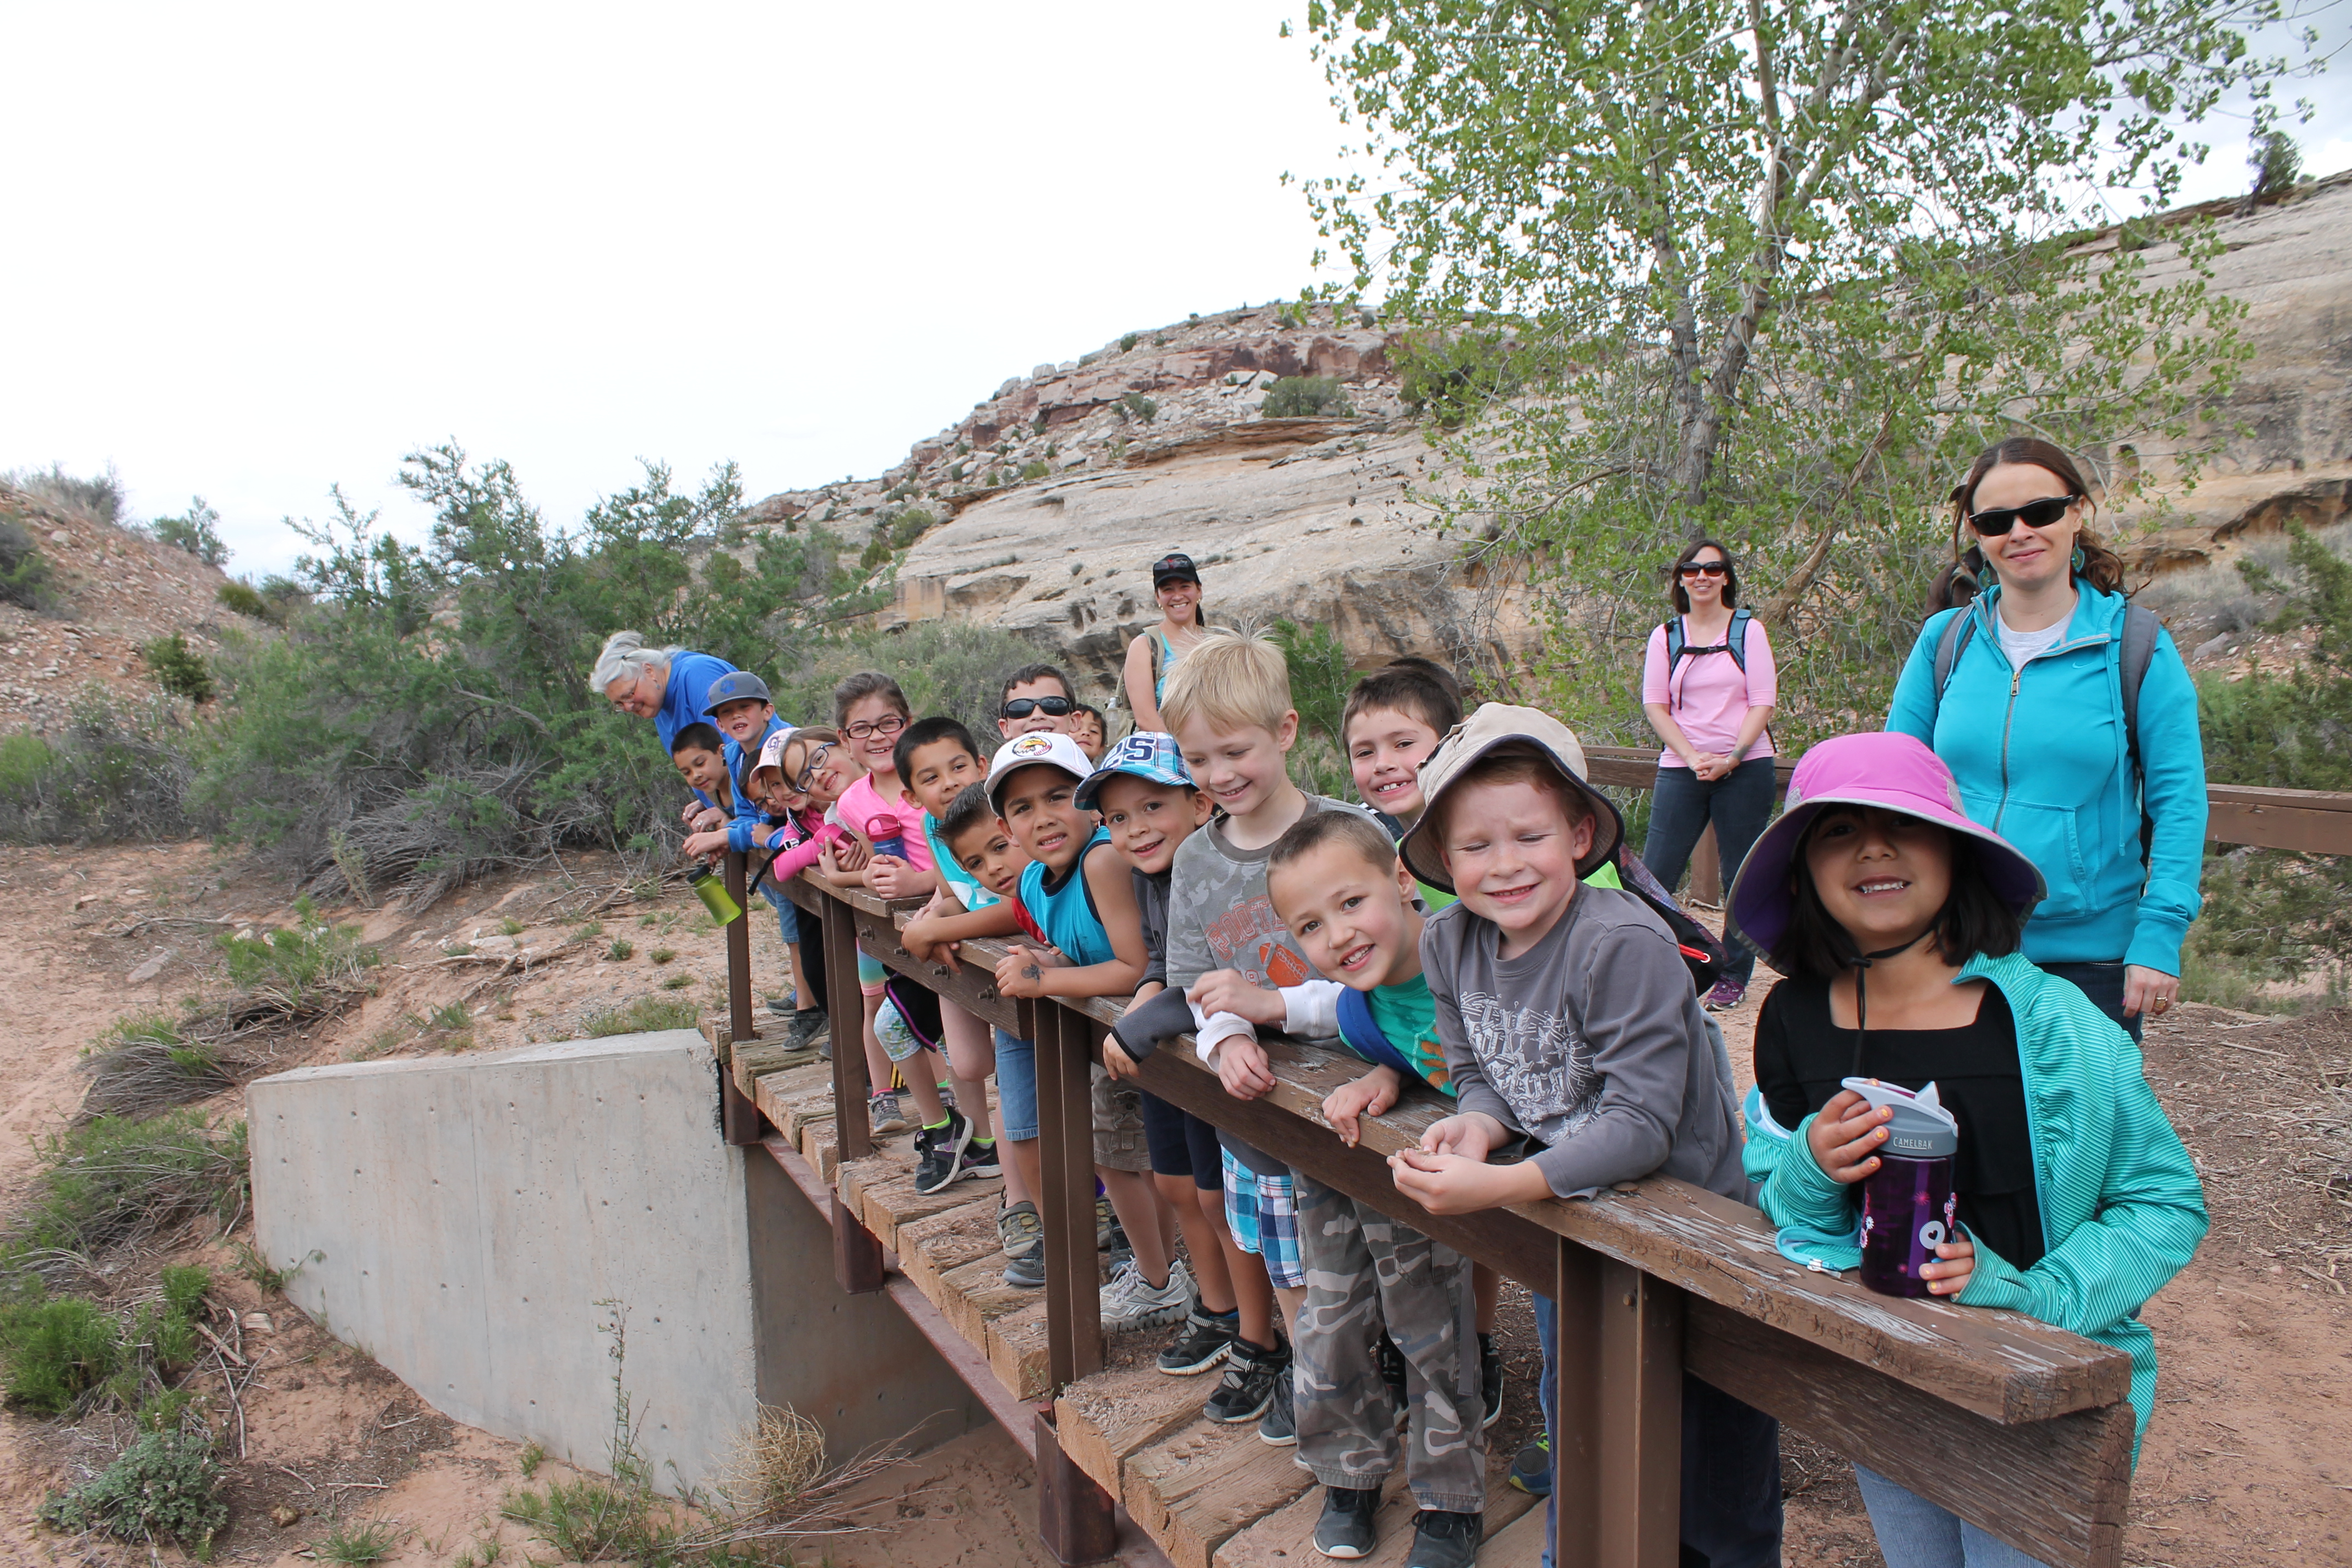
(889, 838)
(1907, 1206)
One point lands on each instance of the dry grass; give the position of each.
(776, 1486)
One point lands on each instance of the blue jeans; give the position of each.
(1016, 1086)
(2103, 985)
(1681, 806)
(1915, 1533)
(1731, 1469)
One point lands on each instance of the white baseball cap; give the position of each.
(1049, 748)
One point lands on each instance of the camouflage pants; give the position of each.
(1365, 1272)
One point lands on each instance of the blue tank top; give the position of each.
(1066, 913)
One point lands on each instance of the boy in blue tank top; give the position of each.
(1078, 890)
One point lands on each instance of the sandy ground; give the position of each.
(2249, 1460)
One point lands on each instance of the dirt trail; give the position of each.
(2249, 1460)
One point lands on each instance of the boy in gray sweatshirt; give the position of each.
(1569, 1021)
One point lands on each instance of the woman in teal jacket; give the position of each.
(2032, 720)
(1896, 920)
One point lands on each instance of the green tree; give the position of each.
(198, 532)
(1770, 270)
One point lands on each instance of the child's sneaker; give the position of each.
(980, 1160)
(1247, 1389)
(938, 1152)
(1129, 1301)
(1490, 1379)
(806, 1025)
(1202, 1343)
(1346, 1531)
(1019, 1228)
(1727, 993)
(1443, 1540)
(1531, 1471)
(1027, 1272)
(1279, 1426)
(883, 1113)
(1106, 1232)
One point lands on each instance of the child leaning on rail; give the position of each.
(1337, 883)
(1899, 922)
(1568, 1017)
(1077, 888)
(1228, 705)
(1148, 803)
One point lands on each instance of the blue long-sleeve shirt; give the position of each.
(690, 678)
(750, 825)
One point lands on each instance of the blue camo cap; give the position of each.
(736, 686)
(1146, 754)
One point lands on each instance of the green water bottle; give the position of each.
(713, 894)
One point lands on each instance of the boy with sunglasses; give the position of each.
(1036, 697)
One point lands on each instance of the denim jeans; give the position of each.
(1016, 1086)
(1915, 1533)
(1731, 1469)
(1683, 805)
(2103, 985)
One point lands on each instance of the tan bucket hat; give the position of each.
(1499, 727)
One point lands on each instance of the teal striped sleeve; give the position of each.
(1799, 1193)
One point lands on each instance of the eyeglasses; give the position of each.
(807, 776)
(1052, 707)
(1705, 568)
(2034, 514)
(866, 729)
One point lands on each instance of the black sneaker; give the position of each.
(1279, 1425)
(938, 1152)
(1490, 1379)
(807, 1023)
(1346, 1530)
(1445, 1539)
(1251, 1373)
(980, 1160)
(1390, 1360)
(1204, 1341)
(782, 1007)
(1027, 1272)
(1531, 1471)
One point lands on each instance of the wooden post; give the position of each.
(1706, 869)
(1617, 1445)
(856, 1251)
(1076, 1519)
(740, 1021)
(1065, 1138)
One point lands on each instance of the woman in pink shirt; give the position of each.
(1708, 685)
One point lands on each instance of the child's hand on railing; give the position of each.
(1242, 1066)
(1451, 1184)
(1371, 1095)
(1845, 1136)
(1020, 972)
(851, 854)
(700, 846)
(1950, 1277)
(1229, 991)
(887, 875)
(1116, 1062)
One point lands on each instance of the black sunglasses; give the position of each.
(1705, 568)
(2034, 514)
(1052, 707)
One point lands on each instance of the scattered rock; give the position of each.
(259, 1323)
(148, 970)
(285, 1517)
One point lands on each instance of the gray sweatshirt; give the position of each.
(1592, 1043)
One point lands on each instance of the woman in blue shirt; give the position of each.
(666, 685)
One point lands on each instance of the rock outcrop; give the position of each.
(1041, 510)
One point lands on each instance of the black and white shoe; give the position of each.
(1252, 1373)
(1443, 1540)
(1346, 1530)
(938, 1152)
(1205, 1340)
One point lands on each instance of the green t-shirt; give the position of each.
(1407, 1015)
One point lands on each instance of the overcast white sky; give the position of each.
(257, 249)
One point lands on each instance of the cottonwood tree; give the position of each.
(1772, 269)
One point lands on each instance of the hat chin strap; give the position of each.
(1860, 964)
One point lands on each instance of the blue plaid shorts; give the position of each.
(1262, 1213)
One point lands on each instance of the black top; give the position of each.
(1801, 1056)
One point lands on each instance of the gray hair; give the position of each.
(625, 657)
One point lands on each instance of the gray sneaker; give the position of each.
(1346, 1530)
(1027, 1272)
(1020, 1230)
(882, 1111)
(1445, 1539)
(1129, 1301)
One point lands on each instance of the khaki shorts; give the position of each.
(1119, 1143)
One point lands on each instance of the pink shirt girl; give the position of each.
(1708, 694)
(861, 803)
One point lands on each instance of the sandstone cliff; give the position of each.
(1041, 510)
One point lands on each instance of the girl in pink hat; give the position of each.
(1898, 921)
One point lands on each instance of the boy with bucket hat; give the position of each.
(1899, 924)
(1569, 1023)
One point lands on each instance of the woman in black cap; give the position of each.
(1176, 583)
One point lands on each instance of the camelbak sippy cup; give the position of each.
(713, 894)
(888, 837)
(1907, 1205)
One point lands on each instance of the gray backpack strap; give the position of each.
(2140, 626)
(1950, 644)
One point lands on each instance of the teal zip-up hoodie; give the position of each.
(2122, 1208)
(2043, 759)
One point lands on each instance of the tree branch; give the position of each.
(1775, 610)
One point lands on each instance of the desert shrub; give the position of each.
(1304, 397)
(97, 498)
(1135, 406)
(294, 961)
(144, 1064)
(357, 1544)
(1035, 469)
(644, 1016)
(57, 1350)
(179, 668)
(1452, 377)
(1128, 340)
(115, 1184)
(163, 1488)
(243, 598)
(198, 533)
(1319, 678)
(2277, 163)
(910, 525)
(23, 570)
(120, 770)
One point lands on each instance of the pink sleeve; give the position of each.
(1653, 668)
(803, 855)
(1763, 675)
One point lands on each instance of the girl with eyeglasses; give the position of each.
(1709, 687)
(2070, 722)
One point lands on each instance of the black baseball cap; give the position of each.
(1173, 568)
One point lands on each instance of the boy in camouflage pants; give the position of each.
(1336, 881)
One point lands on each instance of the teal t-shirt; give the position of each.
(1407, 1015)
(960, 882)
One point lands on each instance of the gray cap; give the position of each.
(737, 686)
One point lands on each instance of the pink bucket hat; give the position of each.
(1885, 769)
